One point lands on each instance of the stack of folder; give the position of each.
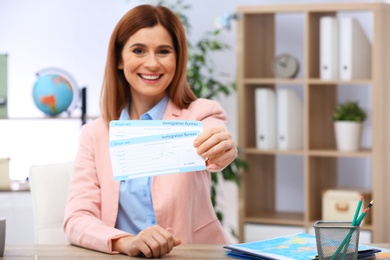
(279, 119)
(345, 50)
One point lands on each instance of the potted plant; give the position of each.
(348, 119)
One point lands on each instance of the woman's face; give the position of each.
(149, 62)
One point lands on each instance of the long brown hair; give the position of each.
(115, 92)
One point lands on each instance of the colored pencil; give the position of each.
(347, 238)
(359, 205)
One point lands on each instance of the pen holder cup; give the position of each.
(336, 240)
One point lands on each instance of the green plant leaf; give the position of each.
(349, 111)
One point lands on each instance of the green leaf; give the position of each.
(219, 215)
(349, 111)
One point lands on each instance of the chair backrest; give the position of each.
(49, 187)
(5, 182)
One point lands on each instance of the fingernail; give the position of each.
(196, 143)
(170, 230)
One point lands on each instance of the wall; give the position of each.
(73, 35)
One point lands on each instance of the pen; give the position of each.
(364, 213)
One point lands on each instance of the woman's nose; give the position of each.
(151, 61)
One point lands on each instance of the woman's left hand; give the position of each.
(217, 147)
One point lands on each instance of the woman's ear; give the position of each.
(120, 65)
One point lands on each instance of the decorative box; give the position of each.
(340, 204)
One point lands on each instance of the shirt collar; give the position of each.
(156, 113)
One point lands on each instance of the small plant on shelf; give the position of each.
(348, 119)
(349, 111)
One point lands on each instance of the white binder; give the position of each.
(355, 50)
(3, 86)
(289, 120)
(329, 48)
(265, 110)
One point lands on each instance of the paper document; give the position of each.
(300, 246)
(153, 147)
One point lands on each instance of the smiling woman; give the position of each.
(145, 79)
(78, 45)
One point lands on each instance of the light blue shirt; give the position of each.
(136, 211)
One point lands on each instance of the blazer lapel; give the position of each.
(172, 111)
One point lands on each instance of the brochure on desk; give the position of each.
(292, 247)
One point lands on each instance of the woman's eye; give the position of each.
(138, 51)
(164, 52)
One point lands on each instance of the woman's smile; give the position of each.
(150, 77)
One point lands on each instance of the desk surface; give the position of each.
(68, 252)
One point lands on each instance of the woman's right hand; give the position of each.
(154, 241)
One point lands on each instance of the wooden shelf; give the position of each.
(271, 81)
(257, 43)
(336, 153)
(272, 152)
(340, 82)
(277, 218)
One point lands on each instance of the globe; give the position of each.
(54, 91)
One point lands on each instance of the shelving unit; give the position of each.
(256, 50)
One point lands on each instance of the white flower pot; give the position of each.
(348, 135)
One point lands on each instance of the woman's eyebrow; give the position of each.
(144, 45)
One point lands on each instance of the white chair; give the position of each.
(49, 187)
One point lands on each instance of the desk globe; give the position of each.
(55, 91)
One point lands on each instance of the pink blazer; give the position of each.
(181, 201)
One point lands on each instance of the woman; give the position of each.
(145, 79)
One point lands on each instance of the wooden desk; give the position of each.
(68, 252)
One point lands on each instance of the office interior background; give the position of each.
(73, 35)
